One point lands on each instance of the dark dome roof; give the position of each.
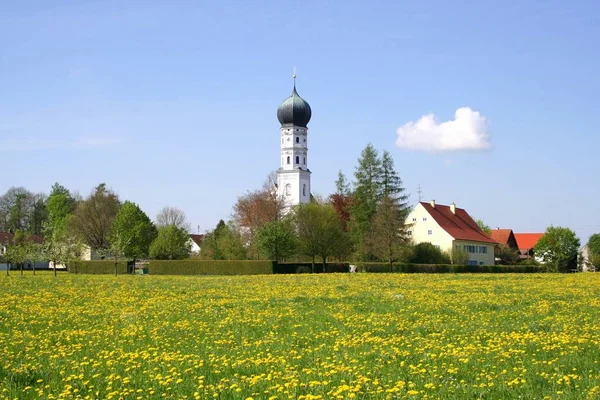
(294, 111)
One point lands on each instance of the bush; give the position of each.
(106, 267)
(210, 267)
(426, 253)
(306, 267)
(446, 268)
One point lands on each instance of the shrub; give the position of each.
(106, 267)
(210, 267)
(446, 268)
(426, 253)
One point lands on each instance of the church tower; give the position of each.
(293, 175)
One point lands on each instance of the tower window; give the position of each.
(297, 159)
(304, 190)
(288, 159)
(297, 139)
(304, 160)
(288, 189)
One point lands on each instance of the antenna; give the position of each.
(294, 73)
(419, 192)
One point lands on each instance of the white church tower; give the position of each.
(293, 175)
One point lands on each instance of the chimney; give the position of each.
(432, 203)
(453, 208)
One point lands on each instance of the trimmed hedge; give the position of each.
(210, 267)
(445, 268)
(106, 267)
(306, 267)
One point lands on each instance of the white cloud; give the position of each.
(79, 143)
(469, 130)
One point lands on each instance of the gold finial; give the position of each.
(294, 75)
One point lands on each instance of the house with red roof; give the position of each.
(195, 243)
(504, 237)
(450, 227)
(526, 243)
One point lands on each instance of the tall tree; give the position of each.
(366, 195)
(558, 249)
(59, 206)
(18, 210)
(93, 217)
(388, 237)
(342, 186)
(134, 231)
(276, 240)
(172, 216)
(172, 243)
(38, 216)
(320, 232)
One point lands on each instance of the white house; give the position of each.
(450, 227)
(585, 254)
(195, 244)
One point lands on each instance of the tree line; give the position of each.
(71, 225)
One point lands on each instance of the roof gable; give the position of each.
(197, 239)
(527, 241)
(504, 237)
(459, 225)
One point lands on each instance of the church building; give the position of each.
(293, 175)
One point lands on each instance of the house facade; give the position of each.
(196, 244)
(448, 228)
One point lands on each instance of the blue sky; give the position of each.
(174, 103)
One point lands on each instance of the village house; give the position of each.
(450, 227)
(196, 244)
(526, 243)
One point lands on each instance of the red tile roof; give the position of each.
(501, 235)
(527, 241)
(460, 225)
(197, 239)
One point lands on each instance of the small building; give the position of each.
(587, 265)
(504, 237)
(526, 243)
(6, 240)
(448, 228)
(196, 244)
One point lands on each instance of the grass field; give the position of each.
(363, 336)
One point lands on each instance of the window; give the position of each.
(473, 262)
(288, 159)
(288, 189)
(409, 233)
(304, 160)
(297, 139)
(297, 159)
(430, 232)
(414, 220)
(483, 249)
(304, 140)
(424, 219)
(304, 190)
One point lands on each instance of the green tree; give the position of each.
(320, 232)
(458, 256)
(93, 218)
(36, 253)
(365, 199)
(427, 253)
(485, 228)
(342, 186)
(17, 252)
(172, 243)
(276, 240)
(558, 249)
(38, 216)
(134, 231)
(388, 236)
(223, 243)
(594, 250)
(506, 255)
(59, 206)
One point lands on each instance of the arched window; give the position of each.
(297, 139)
(288, 159)
(304, 160)
(304, 190)
(297, 159)
(288, 189)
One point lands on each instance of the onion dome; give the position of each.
(294, 111)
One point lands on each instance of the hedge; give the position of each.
(306, 267)
(374, 267)
(210, 267)
(98, 267)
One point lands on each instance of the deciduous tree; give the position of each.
(558, 249)
(276, 240)
(172, 216)
(134, 231)
(172, 243)
(93, 218)
(594, 250)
